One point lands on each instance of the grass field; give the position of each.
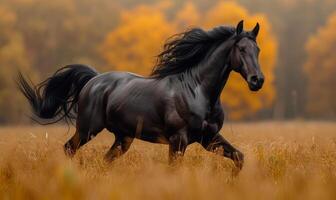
(284, 160)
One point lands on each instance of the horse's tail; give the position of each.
(57, 96)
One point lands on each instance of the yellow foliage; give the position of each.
(321, 71)
(7, 17)
(133, 44)
(188, 16)
(12, 57)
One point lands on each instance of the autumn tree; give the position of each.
(12, 57)
(294, 21)
(321, 71)
(188, 16)
(133, 45)
(63, 31)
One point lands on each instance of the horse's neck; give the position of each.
(215, 71)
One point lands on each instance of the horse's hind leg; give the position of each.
(120, 146)
(85, 131)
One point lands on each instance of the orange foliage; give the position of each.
(321, 71)
(188, 16)
(12, 57)
(132, 45)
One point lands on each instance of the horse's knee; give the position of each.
(208, 142)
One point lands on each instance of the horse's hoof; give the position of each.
(69, 152)
(108, 159)
(238, 159)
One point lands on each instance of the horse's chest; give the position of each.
(197, 112)
(202, 121)
(211, 121)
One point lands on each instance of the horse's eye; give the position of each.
(241, 49)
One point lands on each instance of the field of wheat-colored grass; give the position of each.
(284, 160)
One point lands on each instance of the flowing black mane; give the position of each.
(185, 50)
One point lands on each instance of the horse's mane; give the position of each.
(185, 50)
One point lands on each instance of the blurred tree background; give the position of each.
(320, 71)
(296, 41)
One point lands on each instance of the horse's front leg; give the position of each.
(177, 146)
(217, 144)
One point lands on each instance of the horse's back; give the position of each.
(123, 98)
(108, 81)
(132, 94)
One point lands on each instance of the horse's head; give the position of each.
(244, 57)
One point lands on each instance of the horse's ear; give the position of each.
(255, 31)
(240, 27)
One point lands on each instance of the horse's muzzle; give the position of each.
(255, 82)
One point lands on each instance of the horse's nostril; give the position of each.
(254, 80)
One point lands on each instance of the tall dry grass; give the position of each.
(284, 160)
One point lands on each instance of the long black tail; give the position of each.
(56, 97)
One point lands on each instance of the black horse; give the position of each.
(178, 104)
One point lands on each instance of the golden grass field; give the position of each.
(284, 160)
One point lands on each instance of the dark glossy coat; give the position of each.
(178, 104)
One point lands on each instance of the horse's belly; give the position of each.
(138, 125)
(153, 138)
(149, 131)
